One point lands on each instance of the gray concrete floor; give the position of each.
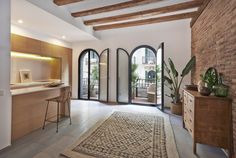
(48, 144)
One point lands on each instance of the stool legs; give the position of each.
(45, 118)
(58, 106)
(58, 114)
(68, 103)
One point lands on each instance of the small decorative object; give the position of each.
(173, 82)
(54, 84)
(200, 84)
(25, 76)
(221, 90)
(205, 91)
(191, 87)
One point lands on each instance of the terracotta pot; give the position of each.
(176, 108)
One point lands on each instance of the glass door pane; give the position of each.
(84, 67)
(122, 76)
(159, 72)
(104, 71)
(94, 75)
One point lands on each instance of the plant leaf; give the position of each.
(189, 66)
(166, 67)
(168, 80)
(173, 69)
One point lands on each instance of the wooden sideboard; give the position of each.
(208, 120)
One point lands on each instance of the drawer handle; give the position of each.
(190, 100)
(190, 130)
(190, 110)
(190, 120)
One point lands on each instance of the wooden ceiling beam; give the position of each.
(146, 21)
(199, 12)
(65, 2)
(113, 7)
(151, 12)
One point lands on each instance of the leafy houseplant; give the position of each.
(210, 78)
(173, 82)
(134, 78)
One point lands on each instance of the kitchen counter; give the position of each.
(27, 90)
(29, 107)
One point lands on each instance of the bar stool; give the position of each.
(60, 100)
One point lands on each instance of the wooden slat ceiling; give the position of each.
(142, 17)
(146, 13)
(65, 2)
(146, 21)
(113, 7)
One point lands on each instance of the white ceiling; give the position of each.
(56, 21)
(40, 20)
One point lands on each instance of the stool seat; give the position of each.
(56, 99)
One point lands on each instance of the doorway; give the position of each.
(139, 76)
(145, 76)
(88, 75)
(93, 79)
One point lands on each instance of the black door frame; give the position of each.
(161, 46)
(108, 76)
(79, 72)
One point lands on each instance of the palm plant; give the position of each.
(172, 79)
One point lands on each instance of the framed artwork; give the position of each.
(25, 76)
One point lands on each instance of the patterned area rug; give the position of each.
(127, 135)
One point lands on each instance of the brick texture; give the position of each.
(214, 45)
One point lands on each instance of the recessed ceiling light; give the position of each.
(20, 21)
(64, 37)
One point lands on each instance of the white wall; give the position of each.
(5, 99)
(176, 35)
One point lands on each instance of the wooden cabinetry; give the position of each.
(32, 46)
(208, 119)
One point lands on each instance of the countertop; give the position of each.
(28, 90)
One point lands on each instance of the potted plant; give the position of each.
(208, 81)
(94, 79)
(134, 78)
(173, 82)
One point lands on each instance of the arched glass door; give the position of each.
(104, 76)
(144, 75)
(88, 75)
(122, 76)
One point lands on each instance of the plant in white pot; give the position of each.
(173, 81)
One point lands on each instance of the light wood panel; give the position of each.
(28, 111)
(199, 12)
(150, 12)
(113, 7)
(146, 21)
(28, 45)
(65, 2)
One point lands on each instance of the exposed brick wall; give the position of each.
(214, 44)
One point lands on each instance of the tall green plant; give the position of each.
(134, 74)
(158, 73)
(172, 80)
(94, 76)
